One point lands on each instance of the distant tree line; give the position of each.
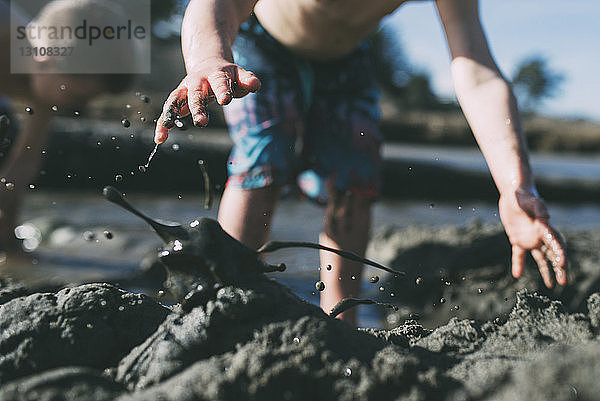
(533, 82)
(398, 79)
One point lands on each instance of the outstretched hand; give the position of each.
(216, 80)
(525, 220)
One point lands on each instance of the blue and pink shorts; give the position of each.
(315, 124)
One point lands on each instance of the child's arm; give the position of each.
(208, 31)
(490, 108)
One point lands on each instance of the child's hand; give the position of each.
(525, 220)
(215, 80)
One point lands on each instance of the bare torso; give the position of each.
(323, 29)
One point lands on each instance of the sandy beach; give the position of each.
(475, 333)
(99, 325)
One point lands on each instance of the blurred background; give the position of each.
(433, 173)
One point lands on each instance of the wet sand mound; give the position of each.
(258, 341)
(92, 325)
(464, 272)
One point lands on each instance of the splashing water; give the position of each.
(151, 156)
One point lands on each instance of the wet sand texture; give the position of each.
(258, 341)
(469, 268)
(253, 339)
(92, 325)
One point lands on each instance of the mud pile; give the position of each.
(464, 272)
(258, 341)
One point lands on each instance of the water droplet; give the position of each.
(108, 234)
(145, 99)
(31, 186)
(419, 280)
(127, 106)
(125, 123)
(381, 289)
(392, 294)
(459, 207)
(9, 186)
(353, 277)
(121, 308)
(177, 245)
(414, 316)
(374, 279)
(480, 290)
(118, 177)
(28, 110)
(179, 196)
(431, 205)
(63, 87)
(89, 236)
(348, 372)
(89, 326)
(143, 119)
(447, 283)
(54, 108)
(142, 168)
(113, 138)
(442, 300)
(160, 293)
(175, 147)
(76, 113)
(103, 302)
(456, 307)
(507, 121)
(320, 286)
(362, 134)
(296, 340)
(179, 123)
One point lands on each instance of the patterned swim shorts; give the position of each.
(312, 123)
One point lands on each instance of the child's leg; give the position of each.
(344, 141)
(346, 226)
(246, 213)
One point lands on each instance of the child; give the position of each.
(309, 57)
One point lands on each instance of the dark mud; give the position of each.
(255, 340)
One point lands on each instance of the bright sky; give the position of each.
(567, 33)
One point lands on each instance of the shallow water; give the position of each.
(75, 215)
